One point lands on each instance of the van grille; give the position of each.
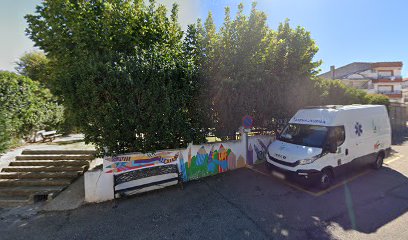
(283, 162)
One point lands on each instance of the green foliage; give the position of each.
(334, 92)
(25, 107)
(133, 83)
(379, 99)
(36, 66)
(123, 72)
(5, 138)
(252, 69)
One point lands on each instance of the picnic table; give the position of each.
(46, 135)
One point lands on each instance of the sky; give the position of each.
(346, 31)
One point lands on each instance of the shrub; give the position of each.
(123, 72)
(335, 92)
(25, 107)
(4, 132)
(379, 99)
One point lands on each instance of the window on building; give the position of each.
(385, 73)
(385, 88)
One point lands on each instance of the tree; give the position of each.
(5, 138)
(379, 99)
(252, 69)
(26, 107)
(335, 92)
(123, 70)
(36, 66)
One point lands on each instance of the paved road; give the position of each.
(241, 204)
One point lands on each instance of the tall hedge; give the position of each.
(377, 99)
(252, 69)
(5, 139)
(122, 71)
(25, 107)
(135, 82)
(332, 92)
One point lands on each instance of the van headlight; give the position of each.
(308, 160)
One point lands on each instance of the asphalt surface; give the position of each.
(241, 204)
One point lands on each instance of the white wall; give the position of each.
(370, 74)
(98, 186)
(397, 70)
(396, 85)
(194, 162)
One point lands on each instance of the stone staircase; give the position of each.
(41, 174)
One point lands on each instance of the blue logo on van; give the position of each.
(359, 129)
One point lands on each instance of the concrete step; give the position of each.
(50, 163)
(29, 191)
(39, 175)
(45, 169)
(56, 152)
(55, 157)
(13, 201)
(34, 182)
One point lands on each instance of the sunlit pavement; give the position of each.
(241, 204)
(339, 181)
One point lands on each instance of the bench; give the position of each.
(47, 135)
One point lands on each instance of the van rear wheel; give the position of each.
(326, 179)
(268, 166)
(379, 161)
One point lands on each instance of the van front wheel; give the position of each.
(326, 179)
(379, 161)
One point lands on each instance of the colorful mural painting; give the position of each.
(196, 161)
(129, 162)
(139, 172)
(257, 149)
(206, 160)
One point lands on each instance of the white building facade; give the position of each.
(379, 77)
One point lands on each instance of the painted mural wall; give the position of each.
(196, 161)
(258, 148)
(136, 161)
(199, 161)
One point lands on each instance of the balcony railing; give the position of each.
(389, 92)
(387, 79)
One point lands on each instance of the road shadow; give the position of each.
(364, 200)
(245, 204)
(239, 204)
(308, 187)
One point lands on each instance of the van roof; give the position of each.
(333, 115)
(343, 107)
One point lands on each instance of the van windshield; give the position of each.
(305, 135)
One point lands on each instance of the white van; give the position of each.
(319, 143)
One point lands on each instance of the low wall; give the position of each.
(193, 162)
(199, 161)
(98, 186)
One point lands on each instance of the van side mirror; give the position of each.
(331, 147)
(278, 132)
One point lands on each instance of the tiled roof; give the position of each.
(387, 64)
(357, 67)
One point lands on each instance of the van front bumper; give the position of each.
(308, 176)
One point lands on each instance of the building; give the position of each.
(379, 77)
